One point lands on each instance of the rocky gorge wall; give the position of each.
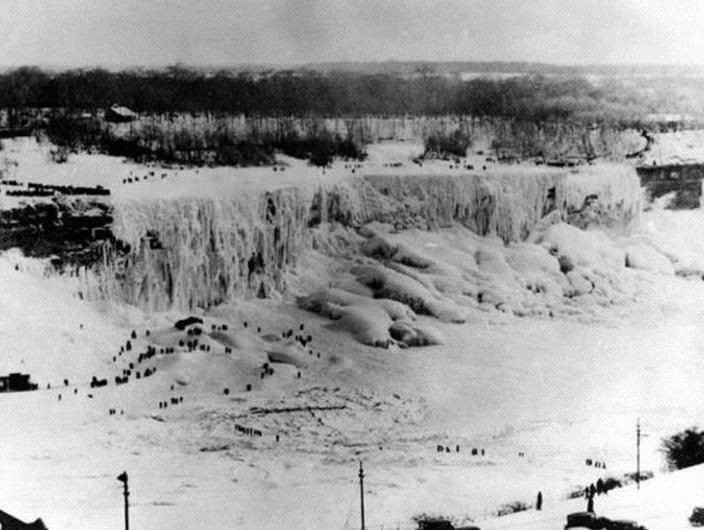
(683, 181)
(72, 232)
(185, 253)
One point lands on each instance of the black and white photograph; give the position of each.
(351, 264)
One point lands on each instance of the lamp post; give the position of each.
(126, 492)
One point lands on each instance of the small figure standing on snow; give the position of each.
(539, 501)
(599, 487)
(590, 504)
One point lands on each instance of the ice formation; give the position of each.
(199, 251)
(411, 243)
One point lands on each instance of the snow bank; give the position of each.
(676, 235)
(581, 248)
(456, 276)
(370, 321)
(644, 257)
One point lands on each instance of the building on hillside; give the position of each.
(683, 181)
(672, 166)
(120, 114)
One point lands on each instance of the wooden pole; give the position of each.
(127, 508)
(638, 454)
(123, 478)
(361, 492)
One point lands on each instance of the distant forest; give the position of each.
(307, 92)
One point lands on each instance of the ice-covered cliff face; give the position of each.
(507, 203)
(608, 197)
(200, 251)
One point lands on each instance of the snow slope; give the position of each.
(664, 503)
(556, 390)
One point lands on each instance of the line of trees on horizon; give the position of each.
(311, 93)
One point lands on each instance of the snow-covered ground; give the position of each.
(664, 503)
(557, 390)
(681, 147)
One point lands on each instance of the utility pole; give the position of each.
(123, 478)
(361, 492)
(638, 453)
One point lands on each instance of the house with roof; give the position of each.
(120, 114)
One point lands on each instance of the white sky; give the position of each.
(224, 32)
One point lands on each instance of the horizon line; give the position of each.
(379, 62)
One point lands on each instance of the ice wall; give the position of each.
(199, 252)
(190, 252)
(506, 204)
(609, 197)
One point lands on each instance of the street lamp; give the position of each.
(122, 477)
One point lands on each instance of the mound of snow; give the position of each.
(368, 319)
(677, 235)
(583, 248)
(455, 275)
(410, 334)
(644, 257)
(368, 323)
(388, 283)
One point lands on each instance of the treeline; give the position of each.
(309, 93)
(205, 143)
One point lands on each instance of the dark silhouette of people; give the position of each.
(590, 504)
(539, 501)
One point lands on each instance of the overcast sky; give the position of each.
(227, 32)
